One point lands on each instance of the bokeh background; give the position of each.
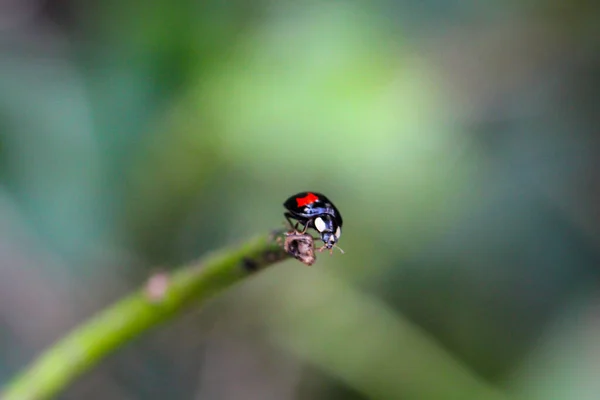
(459, 140)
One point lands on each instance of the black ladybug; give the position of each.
(314, 210)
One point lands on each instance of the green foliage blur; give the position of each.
(458, 139)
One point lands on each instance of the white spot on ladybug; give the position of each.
(338, 232)
(320, 224)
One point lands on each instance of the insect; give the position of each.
(314, 210)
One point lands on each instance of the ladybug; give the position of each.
(314, 210)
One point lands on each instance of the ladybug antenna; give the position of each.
(339, 248)
(331, 249)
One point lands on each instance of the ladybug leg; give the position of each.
(323, 248)
(292, 225)
(305, 228)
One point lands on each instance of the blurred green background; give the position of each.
(458, 139)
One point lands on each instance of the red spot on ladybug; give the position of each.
(308, 199)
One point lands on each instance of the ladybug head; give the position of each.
(329, 239)
(329, 230)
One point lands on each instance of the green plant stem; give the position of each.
(128, 318)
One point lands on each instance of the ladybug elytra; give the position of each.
(314, 210)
